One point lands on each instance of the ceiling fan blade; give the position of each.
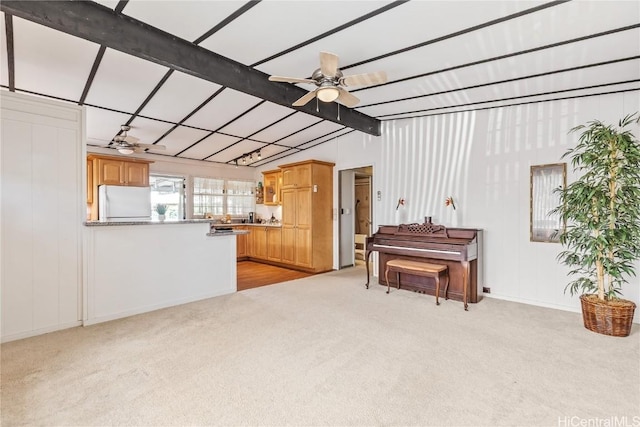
(151, 146)
(306, 98)
(347, 99)
(130, 139)
(290, 79)
(366, 79)
(328, 64)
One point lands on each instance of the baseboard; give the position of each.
(41, 331)
(149, 308)
(636, 318)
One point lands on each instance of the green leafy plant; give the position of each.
(602, 209)
(161, 208)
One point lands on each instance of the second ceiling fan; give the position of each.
(331, 82)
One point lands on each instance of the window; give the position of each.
(168, 190)
(208, 197)
(240, 198)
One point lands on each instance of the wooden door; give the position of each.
(260, 242)
(89, 182)
(274, 244)
(288, 225)
(137, 174)
(288, 253)
(249, 240)
(288, 178)
(304, 247)
(303, 175)
(241, 243)
(110, 172)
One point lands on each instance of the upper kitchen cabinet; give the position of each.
(116, 171)
(296, 175)
(113, 170)
(272, 183)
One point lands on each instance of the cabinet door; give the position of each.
(137, 174)
(288, 178)
(303, 175)
(89, 181)
(110, 172)
(303, 248)
(274, 244)
(249, 240)
(271, 189)
(297, 176)
(288, 245)
(260, 242)
(241, 243)
(289, 208)
(303, 207)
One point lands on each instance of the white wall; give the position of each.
(42, 159)
(482, 160)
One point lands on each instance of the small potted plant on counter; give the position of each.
(602, 211)
(161, 209)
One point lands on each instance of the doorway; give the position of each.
(356, 214)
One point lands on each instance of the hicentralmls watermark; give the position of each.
(613, 421)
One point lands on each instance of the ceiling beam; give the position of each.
(102, 25)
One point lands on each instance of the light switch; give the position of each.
(379, 195)
(315, 188)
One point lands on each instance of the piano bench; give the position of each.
(416, 268)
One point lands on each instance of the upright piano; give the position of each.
(459, 249)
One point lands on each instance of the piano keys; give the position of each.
(458, 248)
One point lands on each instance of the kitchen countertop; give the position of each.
(227, 233)
(235, 224)
(166, 222)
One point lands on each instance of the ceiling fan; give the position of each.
(331, 82)
(126, 144)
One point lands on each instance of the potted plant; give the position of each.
(161, 209)
(602, 212)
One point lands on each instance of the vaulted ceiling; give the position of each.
(193, 75)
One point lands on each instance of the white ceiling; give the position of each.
(440, 57)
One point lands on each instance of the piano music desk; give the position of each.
(416, 268)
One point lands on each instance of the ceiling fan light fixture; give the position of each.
(125, 150)
(328, 93)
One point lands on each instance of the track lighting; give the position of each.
(246, 156)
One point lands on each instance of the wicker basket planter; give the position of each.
(607, 318)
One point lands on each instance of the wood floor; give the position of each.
(254, 274)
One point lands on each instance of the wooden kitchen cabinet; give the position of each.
(89, 181)
(271, 183)
(297, 175)
(307, 215)
(113, 170)
(120, 172)
(274, 243)
(259, 238)
(241, 242)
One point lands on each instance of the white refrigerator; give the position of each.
(120, 203)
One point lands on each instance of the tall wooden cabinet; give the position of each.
(307, 215)
(113, 170)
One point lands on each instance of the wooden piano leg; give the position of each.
(367, 263)
(386, 277)
(437, 288)
(465, 284)
(446, 287)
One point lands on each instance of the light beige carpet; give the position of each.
(325, 351)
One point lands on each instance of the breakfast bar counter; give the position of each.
(139, 266)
